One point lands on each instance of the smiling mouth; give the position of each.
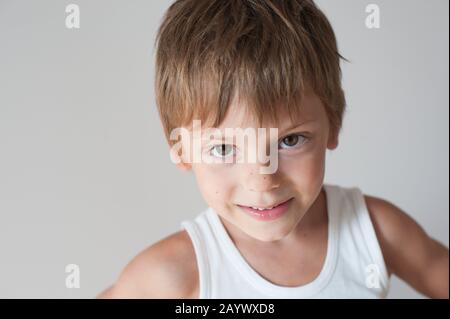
(262, 208)
(267, 213)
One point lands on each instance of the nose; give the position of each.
(257, 182)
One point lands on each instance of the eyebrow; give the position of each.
(296, 126)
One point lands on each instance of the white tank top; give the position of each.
(354, 266)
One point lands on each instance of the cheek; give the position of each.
(215, 184)
(305, 170)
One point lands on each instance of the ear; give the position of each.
(178, 161)
(184, 167)
(333, 139)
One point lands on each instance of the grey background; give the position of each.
(85, 175)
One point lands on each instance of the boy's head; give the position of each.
(250, 64)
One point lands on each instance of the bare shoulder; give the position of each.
(166, 269)
(409, 251)
(389, 220)
(391, 224)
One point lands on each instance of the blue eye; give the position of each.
(292, 141)
(222, 150)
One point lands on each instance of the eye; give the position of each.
(292, 141)
(222, 150)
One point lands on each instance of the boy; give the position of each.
(251, 64)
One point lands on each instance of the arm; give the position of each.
(164, 270)
(409, 252)
(106, 294)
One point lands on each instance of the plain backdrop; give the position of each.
(85, 175)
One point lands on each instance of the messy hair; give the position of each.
(263, 52)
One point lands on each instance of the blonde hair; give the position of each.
(263, 51)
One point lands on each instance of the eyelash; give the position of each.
(223, 157)
(306, 139)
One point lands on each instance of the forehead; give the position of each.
(310, 109)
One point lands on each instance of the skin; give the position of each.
(170, 264)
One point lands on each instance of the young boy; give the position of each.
(254, 64)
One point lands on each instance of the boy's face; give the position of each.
(299, 176)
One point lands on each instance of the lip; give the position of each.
(269, 214)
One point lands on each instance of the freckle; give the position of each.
(264, 178)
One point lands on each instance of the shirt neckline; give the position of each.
(267, 287)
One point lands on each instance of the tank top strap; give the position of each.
(359, 245)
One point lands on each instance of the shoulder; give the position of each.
(391, 225)
(167, 269)
(388, 219)
(408, 250)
